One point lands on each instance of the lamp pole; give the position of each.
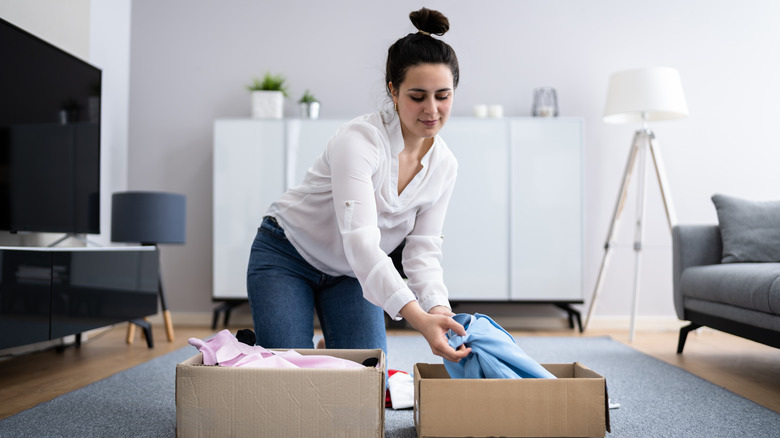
(644, 142)
(639, 225)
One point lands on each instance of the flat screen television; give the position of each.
(49, 137)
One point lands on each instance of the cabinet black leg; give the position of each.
(225, 307)
(573, 313)
(62, 347)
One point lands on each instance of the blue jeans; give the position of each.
(284, 291)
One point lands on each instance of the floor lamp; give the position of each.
(149, 218)
(635, 96)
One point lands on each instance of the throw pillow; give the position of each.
(750, 230)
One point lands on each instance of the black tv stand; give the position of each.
(49, 293)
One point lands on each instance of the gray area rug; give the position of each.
(657, 399)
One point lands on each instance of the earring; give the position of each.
(395, 105)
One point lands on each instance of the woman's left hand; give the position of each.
(433, 325)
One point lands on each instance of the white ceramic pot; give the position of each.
(267, 104)
(310, 110)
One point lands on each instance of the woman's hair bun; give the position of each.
(430, 21)
(419, 48)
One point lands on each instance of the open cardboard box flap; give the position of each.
(575, 404)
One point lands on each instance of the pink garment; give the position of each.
(225, 350)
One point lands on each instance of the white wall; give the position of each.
(110, 50)
(190, 60)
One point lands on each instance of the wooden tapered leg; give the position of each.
(168, 325)
(130, 333)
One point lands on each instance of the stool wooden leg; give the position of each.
(130, 333)
(168, 325)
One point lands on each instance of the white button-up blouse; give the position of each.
(347, 215)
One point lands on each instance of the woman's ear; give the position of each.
(393, 95)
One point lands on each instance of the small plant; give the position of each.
(269, 83)
(308, 97)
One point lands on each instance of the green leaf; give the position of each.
(270, 82)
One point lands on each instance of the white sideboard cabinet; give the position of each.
(514, 228)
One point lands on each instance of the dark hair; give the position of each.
(421, 48)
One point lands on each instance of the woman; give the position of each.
(383, 178)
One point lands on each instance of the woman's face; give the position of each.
(424, 100)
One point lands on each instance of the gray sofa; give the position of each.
(727, 276)
(738, 297)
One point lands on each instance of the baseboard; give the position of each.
(642, 323)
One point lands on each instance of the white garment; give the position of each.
(347, 214)
(401, 387)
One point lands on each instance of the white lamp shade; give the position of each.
(644, 95)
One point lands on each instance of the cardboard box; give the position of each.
(574, 405)
(214, 401)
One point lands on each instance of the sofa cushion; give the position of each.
(750, 230)
(753, 286)
(755, 318)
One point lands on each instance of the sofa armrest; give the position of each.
(693, 245)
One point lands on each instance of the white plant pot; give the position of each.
(267, 104)
(310, 110)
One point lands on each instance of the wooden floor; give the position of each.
(744, 367)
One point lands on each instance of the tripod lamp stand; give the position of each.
(149, 218)
(635, 96)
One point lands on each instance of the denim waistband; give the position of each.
(270, 224)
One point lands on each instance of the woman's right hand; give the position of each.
(434, 327)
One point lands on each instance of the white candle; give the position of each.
(496, 111)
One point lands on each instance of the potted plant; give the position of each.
(268, 96)
(309, 106)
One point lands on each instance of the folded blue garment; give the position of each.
(494, 353)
